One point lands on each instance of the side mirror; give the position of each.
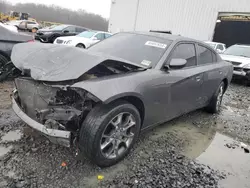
(178, 63)
(94, 38)
(65, 31)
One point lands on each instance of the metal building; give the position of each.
(190, 18)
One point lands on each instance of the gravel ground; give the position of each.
(163, 157)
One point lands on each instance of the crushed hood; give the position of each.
(48, 62)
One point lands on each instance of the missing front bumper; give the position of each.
(56, 136)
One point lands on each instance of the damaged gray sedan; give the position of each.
(102, 98)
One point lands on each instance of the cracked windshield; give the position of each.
(124, 94)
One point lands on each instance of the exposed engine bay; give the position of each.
(59, 106)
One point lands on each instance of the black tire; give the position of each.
(3, 61)
(215, 103)
(53, 38)
(9, 71)
(80, 45)
(96, 123)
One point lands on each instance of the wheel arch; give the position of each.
(225, 80)
(132, 99)
(81, 44)
(5, 54)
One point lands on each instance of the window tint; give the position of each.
(205, 55)
(80, 29)
(220, 47)
(187, 52)
(99, 36)
(107, 35)
(71, 29)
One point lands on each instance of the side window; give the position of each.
(187, 52)
(99, 36)
(220, 47)
(205, 55)
(71, 29)
(80, 29)
(107, 35)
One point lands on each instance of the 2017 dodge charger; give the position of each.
(102, 98)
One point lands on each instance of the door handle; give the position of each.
(198, 78)
(220, 72)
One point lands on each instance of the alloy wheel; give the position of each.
(118, 135)
(219, 98)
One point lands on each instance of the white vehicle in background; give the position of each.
(84, 39)
(219, 47)
(29, 25)
(239, 56)
(9, 27)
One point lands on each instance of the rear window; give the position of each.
(142, 49)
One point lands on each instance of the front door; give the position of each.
(185, 84)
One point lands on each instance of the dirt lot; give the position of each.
(195, 150)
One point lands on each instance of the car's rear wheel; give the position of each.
(109, 132)
(53, 38)
(80, 46)
(216, 101)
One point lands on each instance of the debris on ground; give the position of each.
(157, 159)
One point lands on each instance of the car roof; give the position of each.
(210, 42)
(163, 36)
(73, 25)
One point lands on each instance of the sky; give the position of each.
(101, 7)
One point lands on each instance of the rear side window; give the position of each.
(100, 36)
(71, 29)
(187, 52)
(205, 55)
(107, 35)
(80, 29)
(220, 47)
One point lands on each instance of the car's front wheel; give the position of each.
(109, 132)
(216, 101)
(80, 45)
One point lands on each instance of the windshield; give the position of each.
(59, 27)
(87, 34)
(142, 49)
(238, 50)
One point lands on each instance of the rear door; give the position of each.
(207, 60)
(185, 83)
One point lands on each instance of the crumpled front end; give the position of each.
(55, 111)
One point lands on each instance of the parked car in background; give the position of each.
(101, 98)
(29, 25)
(9, 27)
(84, 39)
(8, 39)
(14, 23)
(239, 56)
(49, 35)
(219, 47)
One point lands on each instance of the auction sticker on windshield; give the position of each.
(146, 63)
(156, 44)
